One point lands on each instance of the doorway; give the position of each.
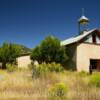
(95, 64)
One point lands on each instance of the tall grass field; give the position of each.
(66, 85)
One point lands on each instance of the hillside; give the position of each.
(24, 49)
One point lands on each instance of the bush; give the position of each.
(30, 66)
(83, 74)
(40, 70)
(33, 64)
(70, 65)
(95, 80)
(54, 67)
(58, 90)
(11, 68)
(43, 69)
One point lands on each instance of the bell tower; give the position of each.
(83, 23)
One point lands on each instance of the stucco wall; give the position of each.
(85, 52)
(23, 61)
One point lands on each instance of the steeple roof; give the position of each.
(83, 19)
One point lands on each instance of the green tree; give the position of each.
(8, 54)
(49, 51)
(36, 54)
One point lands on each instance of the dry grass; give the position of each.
(19, 85)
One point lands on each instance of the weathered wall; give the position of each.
(23, 61)
(85, 52)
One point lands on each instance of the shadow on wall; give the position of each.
(70, 65)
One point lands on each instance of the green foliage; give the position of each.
(49, 51)
(40, 70)
(31, 66)
(23, 49)
(59, 90)
(11, 68)
(55, 67)
(95, 80)
(83, 74)
(8, 54)
(43, 69)
(36, 54)
(70, 65)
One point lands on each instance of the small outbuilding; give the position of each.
(23, 61)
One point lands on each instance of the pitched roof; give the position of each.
(77, 38)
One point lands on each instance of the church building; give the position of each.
(85, 48)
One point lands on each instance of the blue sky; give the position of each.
(28, 22)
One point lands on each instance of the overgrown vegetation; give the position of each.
(43, 69)
(95, 80)
(11, 67)
(68, 85)
(58, 90)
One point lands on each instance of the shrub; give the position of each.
(40, 70)
(95, 80)
(70, 65)
(54, 67)
(43, 69)
(11, 68)
(83, 74)
(33, 64)
(30, 66)
(58, 90)
(36, 72)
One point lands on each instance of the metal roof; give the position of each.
(77, 38)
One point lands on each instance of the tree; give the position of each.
(8, 54)
(49, 51)
(36, 54)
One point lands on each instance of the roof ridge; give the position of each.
(77, 38)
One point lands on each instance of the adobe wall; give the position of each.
(23, 61)
(85, 52)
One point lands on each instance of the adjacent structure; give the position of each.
(23, 61)
(84, 48)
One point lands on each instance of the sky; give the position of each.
(28, 22)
